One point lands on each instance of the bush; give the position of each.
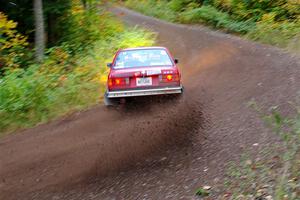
(276, 33)
(12, 44)
(210, 15)
(181, 5)
(251, 18)
(37, 94)
(84, 27)
(70, 79)
(136, 38)
(153, 8)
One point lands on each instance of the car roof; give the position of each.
(143, 48)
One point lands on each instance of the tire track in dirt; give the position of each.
(92, 144)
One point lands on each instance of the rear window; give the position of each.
(142, 58)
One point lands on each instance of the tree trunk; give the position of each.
(39, 30)
(84, 4)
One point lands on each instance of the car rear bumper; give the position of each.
(144, 92)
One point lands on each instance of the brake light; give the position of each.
(169, 77)
(118, 82)
(109, 82)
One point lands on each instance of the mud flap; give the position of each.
(109, 101)
(180, 97)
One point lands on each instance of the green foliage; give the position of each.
(12, 43)
(37, 94)
(58, 15)
(177, 5)
(136, 37)
(272, 22)
(211, 16)
(20, 11)
(55, 13)
(276, 33)
(201, 192)
(153, 8)
(87, 30)
(253, 9)
(287, 128)
(181, 5)
(64, 83)
(73, 75)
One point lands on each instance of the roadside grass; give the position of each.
(285, 34)
(278, 26)
(64, 83)
(153, 8)
(275, 172)
(217, 19)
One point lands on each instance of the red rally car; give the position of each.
(140, 72)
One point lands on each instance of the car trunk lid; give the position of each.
(142, 77)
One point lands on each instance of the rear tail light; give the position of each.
(110, 82)
(169, 76)
(118, 82)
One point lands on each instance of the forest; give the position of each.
(268, 21)
(52, 59)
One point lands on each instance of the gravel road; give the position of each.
(160, 147)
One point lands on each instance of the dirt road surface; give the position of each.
(157, 148)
